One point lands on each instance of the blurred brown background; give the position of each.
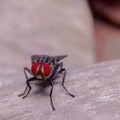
(107, 28)
(46, 27)
(88, 31)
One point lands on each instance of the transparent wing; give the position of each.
(58, 58)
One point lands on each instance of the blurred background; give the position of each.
(106, 15)
(88, 31)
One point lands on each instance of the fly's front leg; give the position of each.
(63, 71)
(25, 93)
(52, 105)
(27, 80)
(27, 70)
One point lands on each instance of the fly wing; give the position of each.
(35, 58)
(58, 58)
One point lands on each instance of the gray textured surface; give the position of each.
(97, 91)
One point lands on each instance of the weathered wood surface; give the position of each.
(97, 91)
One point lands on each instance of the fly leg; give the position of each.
(27, 81)
(28, 87)
(52, 105)
(27, 70)
(63, 71)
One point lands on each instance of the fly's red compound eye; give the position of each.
(35, 68)
(44, 72)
